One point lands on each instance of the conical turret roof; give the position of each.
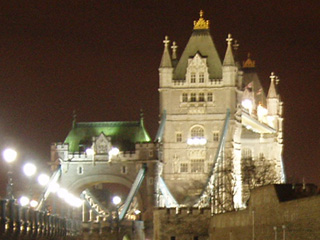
(200, 42)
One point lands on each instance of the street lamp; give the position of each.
(29, 169)
(9, 155)
(43, 179)
(116, 201)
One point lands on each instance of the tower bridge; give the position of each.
(220, 136)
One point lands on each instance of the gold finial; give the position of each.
(249, 63)
(201, 23)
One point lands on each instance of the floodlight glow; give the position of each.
(54, 187)
(62, 193)
(247, 104)
(24, 201)
(114, 151)
(43, 179)
(9, 155)
(137, 211)
(29, 169)
(197, 141)
(33, 203)
(89, 151)
(262, 112)
(116, 200)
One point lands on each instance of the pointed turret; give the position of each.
(165, 69)
(228, 59)
(229, 67)
(200, 43)
(272, 93)
(166, 59)
(174, 54)
(273, 103)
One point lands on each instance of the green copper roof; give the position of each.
(123, 135)
(200, 41)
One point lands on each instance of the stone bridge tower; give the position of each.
(107, 159)
(217, 123)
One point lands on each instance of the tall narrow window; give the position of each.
(183, 167)
(184, 97)
(201, 97)
(209, 97)
(197, 165)
(216, 136)
(178, 137)
(193, 77)
(201, 77)
(193, 97)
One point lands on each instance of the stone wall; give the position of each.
(267, 216)
(181, 224)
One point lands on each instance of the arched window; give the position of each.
(197, 132)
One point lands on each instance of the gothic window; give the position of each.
(216, 136)
(193, 77)
(150, 181)
(261, 156)
(178, 137)
(197, 132)
(197, 165)
(184, 97)
(201, 97)
(201, 77)
(209, 97)
(183, 167)
(150, 153)
(193, 97)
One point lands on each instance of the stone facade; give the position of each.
(197, 91)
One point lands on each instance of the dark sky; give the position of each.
(101, 58)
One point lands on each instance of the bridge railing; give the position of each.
(17, 221)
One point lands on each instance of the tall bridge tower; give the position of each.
(220, 130)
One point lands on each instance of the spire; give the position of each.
(272, 93)
(141, 117)
(235, 48)
(74, 116)
(201, 23)
(228, 59)
(166, 60)
(249, 63)
(174, 50)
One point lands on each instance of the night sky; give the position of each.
(101, 59)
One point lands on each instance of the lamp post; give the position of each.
(9, 155)
(116, 201)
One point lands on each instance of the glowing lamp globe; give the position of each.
(9, 155)
(43, 179)
(24, 201)
(29, 169)
(116, 200)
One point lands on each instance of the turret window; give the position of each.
(183, 167)
(178, 137)
(201, 97)
(193, 97)
(184, 97)
(201, 77)
(193, 77)
(216, 136)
